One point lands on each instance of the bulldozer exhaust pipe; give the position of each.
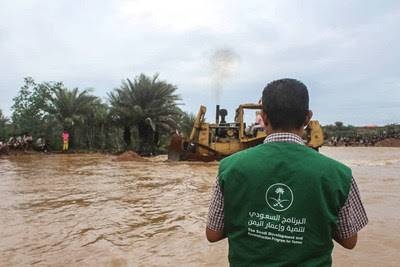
(217, 114)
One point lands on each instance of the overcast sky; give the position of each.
(346, 52)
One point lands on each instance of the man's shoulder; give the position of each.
(331, 161)
(240, 156)
(328, 164)
(314, 157)
(237, 163)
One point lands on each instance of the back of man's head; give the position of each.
(286, 103)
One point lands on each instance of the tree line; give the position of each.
(140, 114)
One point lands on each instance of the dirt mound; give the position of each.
(129, 156)
(389, 142)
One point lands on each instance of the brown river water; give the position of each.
(88, 210)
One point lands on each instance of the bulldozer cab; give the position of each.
(248, 117)
(210, 141)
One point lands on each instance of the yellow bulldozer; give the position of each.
(214, 141)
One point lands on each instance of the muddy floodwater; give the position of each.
(88, 210)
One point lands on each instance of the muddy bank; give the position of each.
(129, 156)
(389, 142)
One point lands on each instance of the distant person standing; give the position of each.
(65, 138)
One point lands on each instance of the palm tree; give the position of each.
(70, 107)
(94, 128)
(280, 191)
(147, 105)
(122, 112)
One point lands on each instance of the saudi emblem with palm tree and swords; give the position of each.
(279, 197)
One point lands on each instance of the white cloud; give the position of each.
(174, 15)
(337, 48)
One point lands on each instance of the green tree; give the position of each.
(94, 129)
(28, 110)
(149, 107)
(70, 106)
(338, 129)
(338, 124)
(3, 125)
(77, 112)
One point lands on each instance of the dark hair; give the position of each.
(286, 103)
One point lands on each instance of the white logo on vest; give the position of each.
(279, 197)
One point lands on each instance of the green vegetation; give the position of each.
(138, 115)
(148, 107)
(3, 125)
(339, 129)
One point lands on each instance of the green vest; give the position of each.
(281, 205)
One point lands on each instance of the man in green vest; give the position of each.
(282, 203)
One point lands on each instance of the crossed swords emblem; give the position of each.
(278, 202)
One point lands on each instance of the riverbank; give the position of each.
(13, 152)
(132, 155)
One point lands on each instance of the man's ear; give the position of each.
(264, 116)
(308, 117)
